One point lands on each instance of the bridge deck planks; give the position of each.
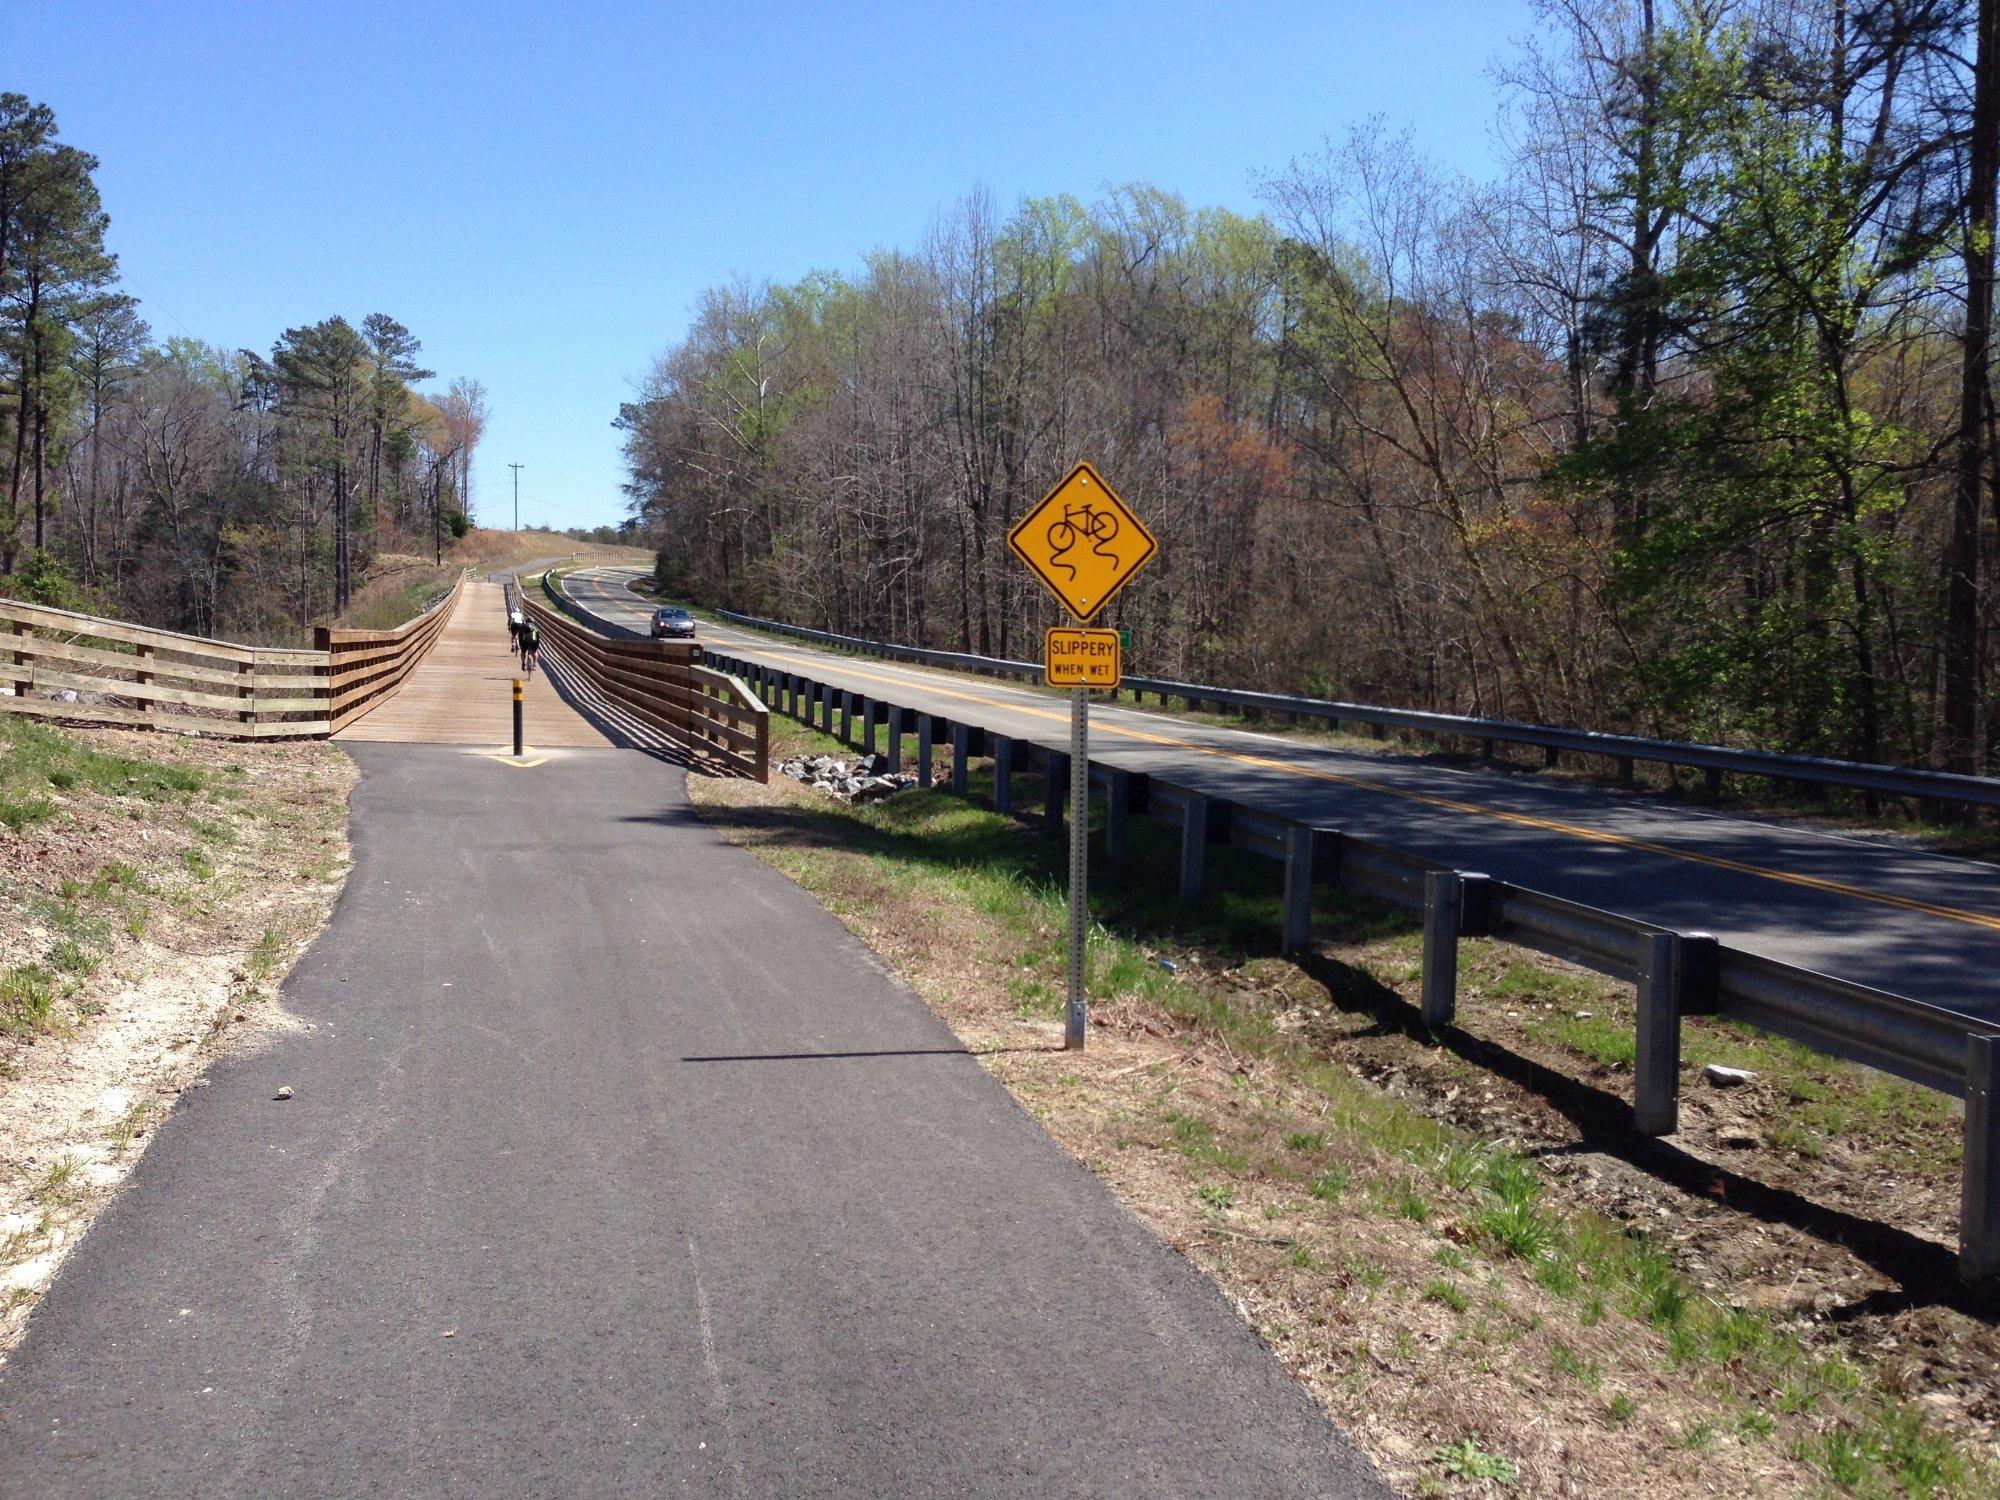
(460, 694)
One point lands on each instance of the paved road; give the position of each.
(1918, 924)
(617, 1167)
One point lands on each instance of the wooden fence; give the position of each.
(58, 665)
(662, 683)
(365, 666)
(55, 664)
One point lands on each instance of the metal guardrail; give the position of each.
(1625, 749)
(1676, 974)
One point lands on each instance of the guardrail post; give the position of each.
(961, 754)
(895, 738)
(1055, 778)
(1307, 852)
(869, 709)
(1117, 812)
(1439, 1003)
(1979, 1192)
(1711, 780)
(1194, 844)
(1003, 774)
(926, 734)
(1656, 1064)
(1625, 770)
(1551, 757)
(846, 716)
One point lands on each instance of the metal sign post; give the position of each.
(1079, 863)
(1083, 543)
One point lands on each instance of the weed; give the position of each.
(27, 999)
(1465, 1459)
(1329, 1185)
(71, 957)
(18, 812)
(1449, 1293)
(1515, 1228)
(1215, 1194)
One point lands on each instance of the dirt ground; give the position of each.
(152, 898)
(1456, 1242)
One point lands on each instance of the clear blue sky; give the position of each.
(540, 192)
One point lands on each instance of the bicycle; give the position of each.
(1100, 526)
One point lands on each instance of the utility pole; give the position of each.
(517, 468)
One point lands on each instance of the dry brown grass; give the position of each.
(484, 548)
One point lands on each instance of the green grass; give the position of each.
(35, 758)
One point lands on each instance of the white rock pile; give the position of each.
(865, 779)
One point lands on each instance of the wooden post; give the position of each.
(926, 733)
(246, 691)
(143, 677)
(894, 737)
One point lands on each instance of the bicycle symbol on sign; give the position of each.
(1077, 523)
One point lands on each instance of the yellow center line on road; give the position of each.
(1449, 804)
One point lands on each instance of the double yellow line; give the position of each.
(1429, 799)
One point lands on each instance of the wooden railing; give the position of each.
(662, 683)
(55, 664)
(365, 666)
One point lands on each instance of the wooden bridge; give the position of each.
(461, 692)
(444, 678)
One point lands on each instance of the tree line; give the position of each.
(1683, 423)
(214, 491)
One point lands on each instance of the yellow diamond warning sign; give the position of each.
(1083, 542)
(1080, 658)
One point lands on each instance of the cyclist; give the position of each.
(530, 640)
(516, 622)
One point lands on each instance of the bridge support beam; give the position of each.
(846, 717)
(895, 738)
(869, 710)
(926, 736)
